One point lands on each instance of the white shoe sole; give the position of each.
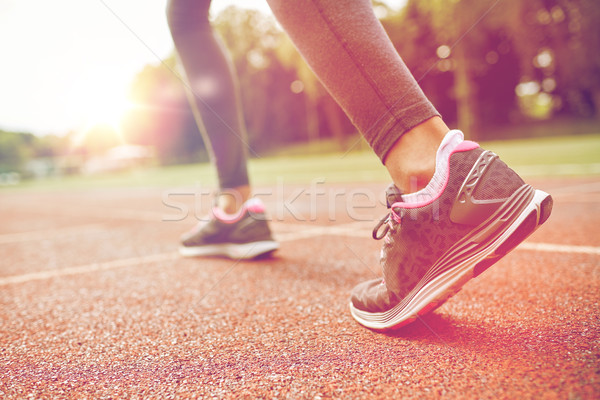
(236, 251)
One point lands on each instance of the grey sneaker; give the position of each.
(476, 213)
(242, 236)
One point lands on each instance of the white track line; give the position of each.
(89, 268)
(46, 233)
(580, 188)
(559, 248)
(557, 169)
(355, 229)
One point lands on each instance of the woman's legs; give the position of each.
(350, 52)
(213, 91)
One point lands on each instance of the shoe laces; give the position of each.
(386, 227)
(392, 196)
(385, 224)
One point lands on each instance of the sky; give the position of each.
(66, 64)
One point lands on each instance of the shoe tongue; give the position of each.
(392, 195)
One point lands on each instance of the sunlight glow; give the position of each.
(98, 102)
(100, 98)
(71, 72)
(105, 111)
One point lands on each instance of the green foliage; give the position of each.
(17, 148)
(14, 149)
(494, 46)
(272, 73)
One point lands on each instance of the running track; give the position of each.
(96, 303)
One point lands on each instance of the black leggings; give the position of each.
(212, 89)
(344, 44)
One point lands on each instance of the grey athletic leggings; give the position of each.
(344, 44)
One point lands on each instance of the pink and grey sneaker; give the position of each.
(244, 235)
(473, 212)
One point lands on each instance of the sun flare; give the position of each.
(106, 109)
(104, 105)
(100, 101)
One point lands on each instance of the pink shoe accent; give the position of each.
(252, 206)
(255, 206)
(463, 146)
(228, 218)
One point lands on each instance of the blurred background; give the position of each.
(94, 87)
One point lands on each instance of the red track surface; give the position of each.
(95, 303)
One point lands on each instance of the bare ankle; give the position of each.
(231, 200)
(411, 161)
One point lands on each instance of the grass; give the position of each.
(551, 156)
(584, 149)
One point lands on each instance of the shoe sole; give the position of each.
(466, 260)
(235, 251)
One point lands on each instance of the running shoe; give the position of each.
(244, 235)
(472, 213)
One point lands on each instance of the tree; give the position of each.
(462, 30)
(553, 42)
(282, 98)
(567, 56)
(273, 115)
(15, 149)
